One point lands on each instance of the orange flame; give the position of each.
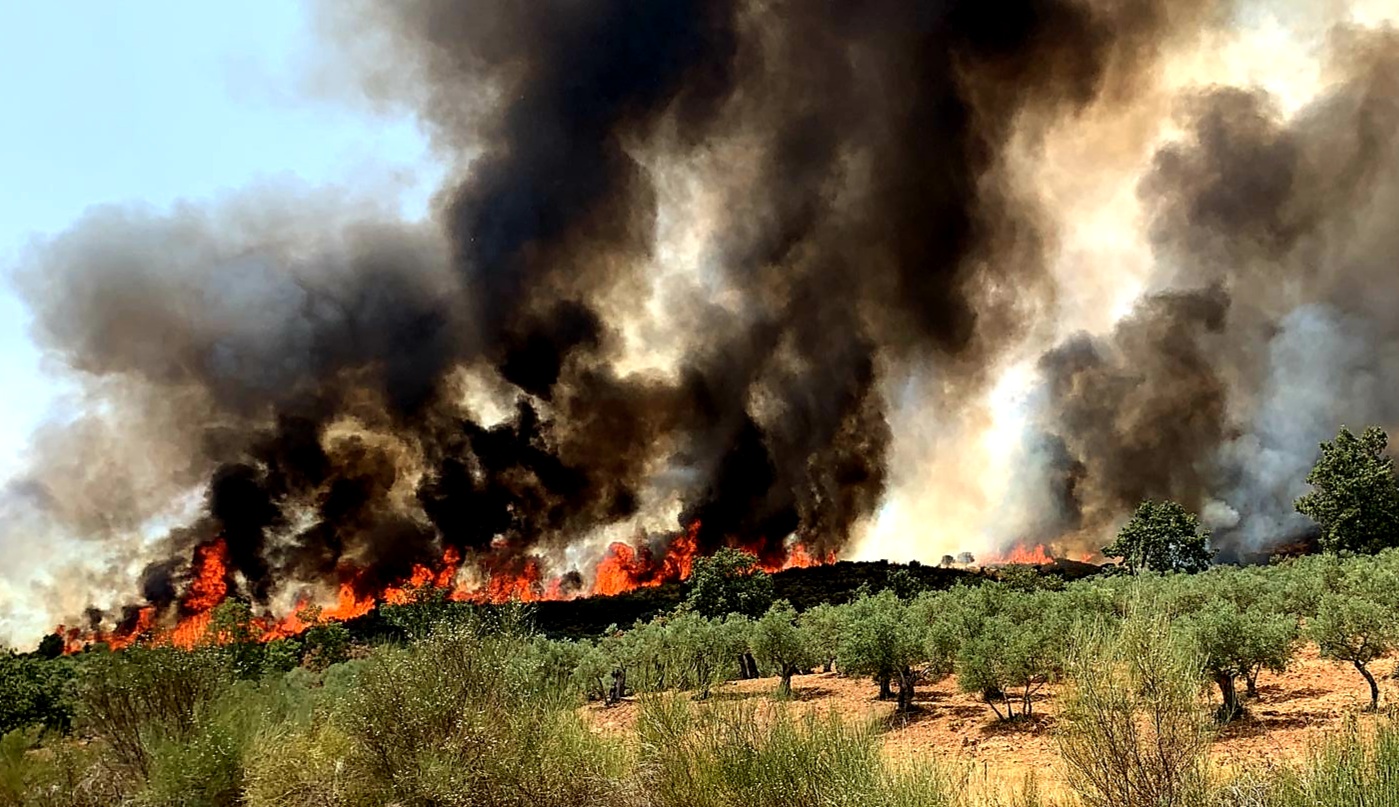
(1036, 555)
(208, 588)
(622, 568)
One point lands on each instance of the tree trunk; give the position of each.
(991, 701)
(619, 686)
(784, 687)
(906, 685)
(885, 693)
(1251, 681)
(1374, 687)
(827, 666)
(1230, 709)
(749, 664)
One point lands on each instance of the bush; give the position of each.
(464, 718)
(1131, 731)
(35, 691)
(143, 696)
(734, 756)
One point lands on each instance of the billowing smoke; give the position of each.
(684, 250)
(1273, 323)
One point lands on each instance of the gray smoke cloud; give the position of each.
(1281, 224)
(341, 395)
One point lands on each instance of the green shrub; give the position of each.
(464, 718)
(143, 696)
(1131, 729)
(35, 691)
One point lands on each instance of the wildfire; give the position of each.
(625, 568)
(799, 557)
(622, 568)
(1035, 555)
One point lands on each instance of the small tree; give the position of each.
(882, 640)
(50, 647)
(326, 644)
(1014, 648)
(1231, 640)
(701, 649)
(1162, 537)
(781, 641)
(1354, 498)
(729, 582)
(1355, 629)
(824, 624)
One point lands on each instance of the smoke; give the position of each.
(1273, 325)
(684, 252)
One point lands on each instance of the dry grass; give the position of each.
(1314, 697)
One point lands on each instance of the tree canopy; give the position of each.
(730, 582)
(1354, 497)
(1162, 537)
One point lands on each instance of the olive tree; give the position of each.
(1013, 648)
(881, 639)
(1231, 640)
(1353, 629)
(783, 643)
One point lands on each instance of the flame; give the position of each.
(622, 568)
(1035, 555)
(208, 588)
(799, 557)
(625, 568)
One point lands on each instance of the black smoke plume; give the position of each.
(352, 392)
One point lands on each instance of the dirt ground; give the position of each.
(1313, 696)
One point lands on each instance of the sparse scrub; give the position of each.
(735, 756)
(464, 718)
(1131, 732)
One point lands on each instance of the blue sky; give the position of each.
(152, 102)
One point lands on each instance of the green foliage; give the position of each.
(1162, 537)
(35, 691)
(280, 656)
(462, 718)
(824, 623)
(1013, 646)
(326, 644)
(883, 640)
(904, 584)
(1354, 497)
(232, 630)
(1130, 730)
(1356, 620)
(144, 696)
(207, 764)
(729, 582)
(426, 609)
(1233, 639)
(1024, 577)
(704, 650)
(783, 644)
